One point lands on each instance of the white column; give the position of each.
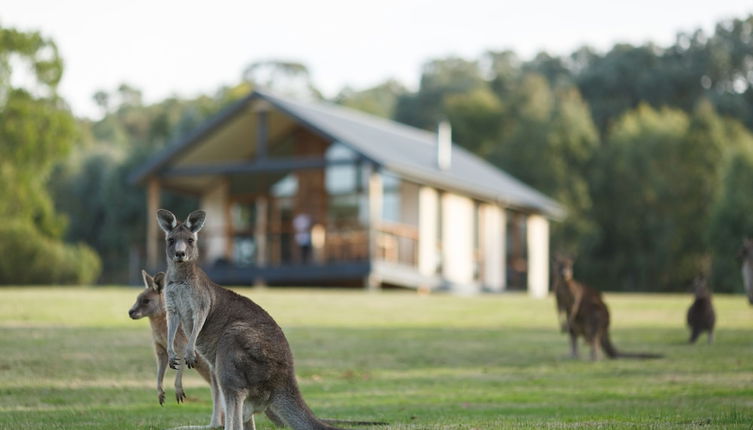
(428, 218)
(457, 241)
(375, 192)
(538, 256)
(493, 246)
(214, 234)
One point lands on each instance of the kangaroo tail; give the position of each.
(608, 346)
(354, 423)
(290, 407)
(611, 351)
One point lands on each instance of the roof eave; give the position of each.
(175, 148)
(182, 144)
(549, 208)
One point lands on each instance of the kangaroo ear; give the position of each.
(159, 282)
(196, 220)
(166, 220)
(148, 280)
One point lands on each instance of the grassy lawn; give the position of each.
(72, 359)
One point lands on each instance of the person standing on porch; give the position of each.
(302, 229)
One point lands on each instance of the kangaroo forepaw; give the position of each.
(174, 363)
(161, 397)
(190, 359)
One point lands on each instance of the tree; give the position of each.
(440, 79)
(286, 77)
(36, 130)
(379, 100)
(548, 140)
(651, 188)
(731, 220)
(476, 118)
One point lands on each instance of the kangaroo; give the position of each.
(150, 303)
(746, 259)
(587, 315)
(246, 349)
(701, 316)
(562, 299)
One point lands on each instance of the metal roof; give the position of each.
(406, 150)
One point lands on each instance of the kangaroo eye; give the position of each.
(190, 241)
(171, 241)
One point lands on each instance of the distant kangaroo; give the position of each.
(247, 350)
(701, 316)
(150, 303)
(587, 314)
(563, 299)
(746, 260)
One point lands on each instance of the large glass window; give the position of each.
(390, 198)
(243, 219)
(279, 222)
(346, 200)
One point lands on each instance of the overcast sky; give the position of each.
(187, 47)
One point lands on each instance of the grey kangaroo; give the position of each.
(246, 349)
(701, 316)
(150, 303)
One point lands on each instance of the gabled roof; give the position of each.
(406, 150)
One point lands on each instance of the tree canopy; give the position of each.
(36, 131)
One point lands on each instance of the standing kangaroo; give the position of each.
(586, 316)
(746, 259)
(150, 303)
(563, 299)
(246, 349)
(701, 316)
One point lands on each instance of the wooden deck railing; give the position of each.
(397, 243)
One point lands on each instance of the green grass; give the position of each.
(72, 359)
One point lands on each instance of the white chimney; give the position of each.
(444, 145)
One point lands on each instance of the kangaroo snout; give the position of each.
(180, 254)
(134, 314)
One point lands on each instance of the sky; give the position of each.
(169, 47)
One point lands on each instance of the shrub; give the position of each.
(28, 257)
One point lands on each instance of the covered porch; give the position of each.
(285, 204)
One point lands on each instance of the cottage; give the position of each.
(309, 193)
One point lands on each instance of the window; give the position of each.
(286, 187)
(339, 151)
(346, 200)
(390, 198)
(243, 218)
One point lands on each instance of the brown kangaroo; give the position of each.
(150, 303)
(587, 315)
(246, 349)
(563, 299)
(701, 316)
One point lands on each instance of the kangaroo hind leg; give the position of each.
(234, 409)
